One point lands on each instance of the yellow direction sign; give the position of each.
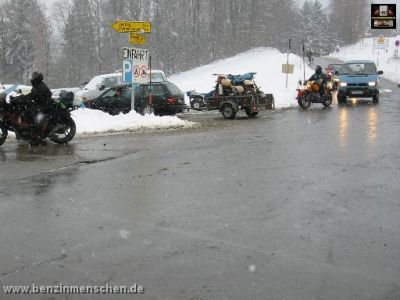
(135, 38)
(132, 26)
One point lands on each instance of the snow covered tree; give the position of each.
(81, 48)
(317, 36)
(348, 19)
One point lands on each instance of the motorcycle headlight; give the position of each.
(372, 83)
(329, 85)
(336, 79)
(343, 84)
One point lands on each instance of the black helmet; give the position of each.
(36, 77)
(318, 69)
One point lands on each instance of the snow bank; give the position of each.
(267, 62)
(95, 121)
(382, 58)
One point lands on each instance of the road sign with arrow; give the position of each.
(131, 26)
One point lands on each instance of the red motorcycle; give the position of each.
(310, 93)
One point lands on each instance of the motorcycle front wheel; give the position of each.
(3, 135)
(65, 132)
(304, 101)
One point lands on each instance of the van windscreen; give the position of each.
(358, 69)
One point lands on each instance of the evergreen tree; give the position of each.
(317, 35)
(348, 19)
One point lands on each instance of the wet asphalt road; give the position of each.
(292, 205)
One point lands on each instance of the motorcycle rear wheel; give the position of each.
(66, 133)
(3, 135)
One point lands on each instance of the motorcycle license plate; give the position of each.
(357, 92)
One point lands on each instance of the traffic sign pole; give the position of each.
(151, 88)
(287, 62)
(133, 96)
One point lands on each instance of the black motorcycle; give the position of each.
(22, 117)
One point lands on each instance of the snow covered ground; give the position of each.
(382, 58)
(95, 121)
(267, 62)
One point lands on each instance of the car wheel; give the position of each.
(146, 110)
(375, 99)
(342, 99)
(114, 112)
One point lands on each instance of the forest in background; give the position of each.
(74, 42)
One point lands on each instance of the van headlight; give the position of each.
(343, 84)
(372, 83)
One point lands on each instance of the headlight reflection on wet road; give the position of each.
(343, 127)
(372, 125)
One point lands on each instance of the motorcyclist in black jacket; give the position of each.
(321, 78)
(40, 94)
(40, 97)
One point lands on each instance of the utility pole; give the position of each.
(287, 63)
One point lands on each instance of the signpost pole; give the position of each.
(133, 92)
(151, 88)
(304, 63)
(287, 62)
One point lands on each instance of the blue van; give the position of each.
(358, 79)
